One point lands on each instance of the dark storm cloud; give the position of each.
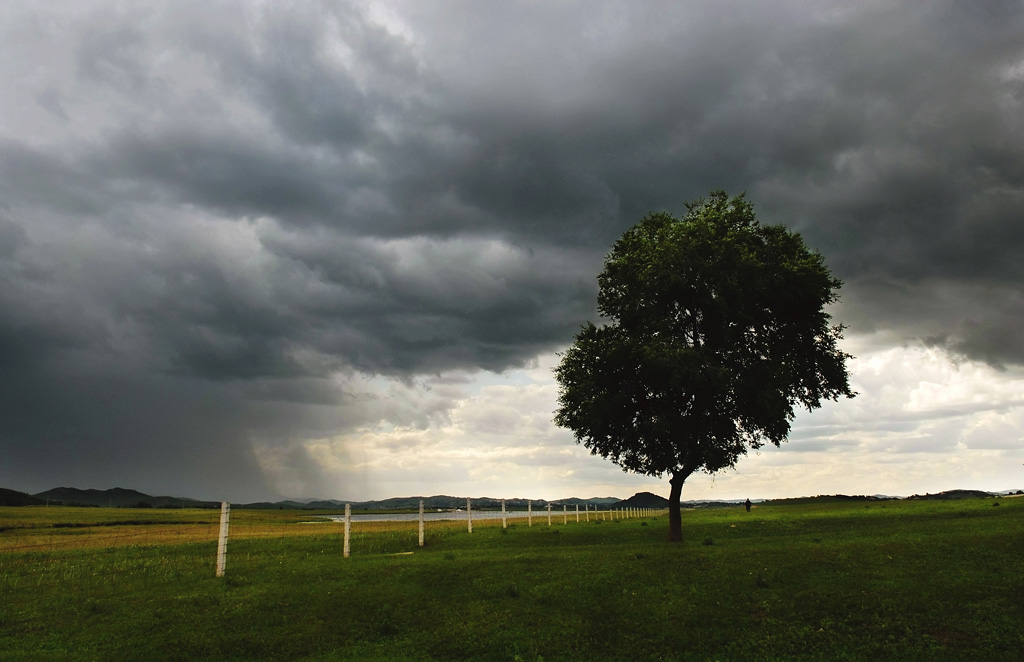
(423, 305)
(211, 212)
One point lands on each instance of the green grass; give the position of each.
(839, 581)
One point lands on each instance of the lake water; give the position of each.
(460, 515)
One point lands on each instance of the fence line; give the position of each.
(136, 532)
(421, 527)
(222, 539)
(348, 527)
(106, 555)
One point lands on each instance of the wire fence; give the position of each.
(75, 560)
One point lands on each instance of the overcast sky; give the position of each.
(263, 250)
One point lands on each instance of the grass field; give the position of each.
(909, 580)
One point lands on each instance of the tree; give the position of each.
(717, 330)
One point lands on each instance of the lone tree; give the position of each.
(716, 330)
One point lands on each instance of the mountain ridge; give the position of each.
(127, 498)
(120, 497)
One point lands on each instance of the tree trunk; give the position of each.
(675, 519)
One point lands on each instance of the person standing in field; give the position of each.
(747, 504)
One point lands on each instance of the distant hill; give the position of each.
(15, 498)
(829, 498)
(277, 505)
(118, 497)
(124, 498)
(728, 503)
(642, 500)
(954, 494)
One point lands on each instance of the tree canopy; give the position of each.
(716, 331)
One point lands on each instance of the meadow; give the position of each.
(894, 580)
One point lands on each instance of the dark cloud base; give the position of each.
(208, 217)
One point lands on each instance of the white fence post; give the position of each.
(469, 514)
(504, 520)
(421, 522)
(348, 526)
(549, 514)
(577, 513)
(565, 514)
(529, 513)
(587, 507)
(222, 541)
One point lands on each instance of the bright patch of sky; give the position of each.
(921, 423)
